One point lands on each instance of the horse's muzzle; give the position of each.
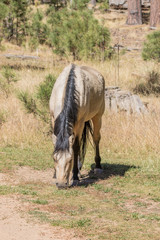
(62, 185)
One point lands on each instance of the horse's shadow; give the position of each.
(109, 170)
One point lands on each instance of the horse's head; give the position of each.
(63, 165)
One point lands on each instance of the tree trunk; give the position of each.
(134, 12)
(155, 13)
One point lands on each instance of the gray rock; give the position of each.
(124, 4)
(117, 100)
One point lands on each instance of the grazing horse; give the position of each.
(76, 106)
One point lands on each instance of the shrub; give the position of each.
(151, 49)
(38, 104)
(7, 80)
(45, 89)
(79, 4)
(28, 102)
(104, 5)
(151, 85)
(78, 33)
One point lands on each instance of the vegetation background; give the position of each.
(123, 203)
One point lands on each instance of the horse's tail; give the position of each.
(83, 144)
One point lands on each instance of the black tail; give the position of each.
(85, 136)
(64, 123)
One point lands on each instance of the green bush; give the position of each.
(45, 89)
(79, 34)
(151, 49)
(151, 85)
(7, 80)
(28, 102)
(38, 104)
(104, 5)
(79, 4)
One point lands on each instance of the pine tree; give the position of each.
(78, 33)
(15, 21)
(20, 12)
(38, 30)
(3, 13)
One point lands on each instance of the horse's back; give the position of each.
(93, 92)
(89, 85)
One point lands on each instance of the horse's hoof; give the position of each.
(75, 183)
(98, 171)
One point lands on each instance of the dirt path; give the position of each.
(15, 222)
(14, 225)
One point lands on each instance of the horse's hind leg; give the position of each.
(76, 150)
(97, 122)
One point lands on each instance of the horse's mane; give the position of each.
(66, 119)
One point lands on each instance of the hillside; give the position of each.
(130, 37)
(123, 202)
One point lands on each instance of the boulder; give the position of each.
(124, 4)
(117, 100)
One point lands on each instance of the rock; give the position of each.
(124, 4)
(118, 3)
(117, 100)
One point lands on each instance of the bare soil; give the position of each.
(15, 222)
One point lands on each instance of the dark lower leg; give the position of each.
(97, 157)
(76, 149)
(96, 138)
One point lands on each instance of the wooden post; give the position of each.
(155, 13)
(134, 12)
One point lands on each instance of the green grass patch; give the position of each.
(115, 204)
(81, 223)
(43, 217)
(37, 158)
(27, 190)
(67, 193)
(40, 201)
(4, 190)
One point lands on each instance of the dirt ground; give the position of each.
(15, 223)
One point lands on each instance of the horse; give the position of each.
(76, 106)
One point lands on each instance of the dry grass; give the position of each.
(135, 138)
(117, 207)
(123, 133)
